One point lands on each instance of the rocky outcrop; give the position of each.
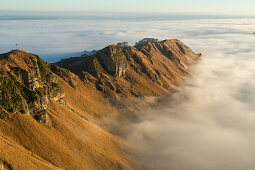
(67, 75)
(26, 85)
(4, 165)
(112, 60)
(4, 115)
(135, 70)
(145, 42)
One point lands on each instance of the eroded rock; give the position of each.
(26, 85)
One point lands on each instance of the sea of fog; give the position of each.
(210, 123)
(56, 38)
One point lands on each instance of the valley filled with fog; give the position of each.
(210, 123)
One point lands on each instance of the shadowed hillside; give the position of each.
(152, 69)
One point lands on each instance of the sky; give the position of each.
(214, 7)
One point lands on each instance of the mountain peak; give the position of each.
(154, 65)
(112, 60)
(18, 52)
(26, 84)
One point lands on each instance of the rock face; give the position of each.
(145, 41)
(26, 85)
(4, 165)
(110, 60)
(67, 75)
(151, 67)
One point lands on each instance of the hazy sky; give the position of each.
(229, 7)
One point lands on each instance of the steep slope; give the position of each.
(70, 140)
(152, 69)
(74, 104)
(27, 84)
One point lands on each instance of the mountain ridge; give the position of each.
(159, 64)
(76, 103)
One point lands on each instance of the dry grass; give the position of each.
(77, 137)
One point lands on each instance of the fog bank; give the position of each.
(58, 38)
(210, 123)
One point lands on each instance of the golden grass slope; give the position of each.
(71, 141)
(78, 136)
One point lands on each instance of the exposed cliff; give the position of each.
(26, 85)
(4, 165)
(110, 60)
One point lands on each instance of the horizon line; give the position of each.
(122, 13)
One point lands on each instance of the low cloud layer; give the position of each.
(59, 38)
(210, 123)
